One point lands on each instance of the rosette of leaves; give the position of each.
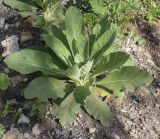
(4, 81)
(81, 69)
(43, 11)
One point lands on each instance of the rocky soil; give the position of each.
(137, 114)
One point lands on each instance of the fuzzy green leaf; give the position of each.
(73, 72)
(57, 32)
(68, 110)
(129, 78)
(80, 93)
(4, 81)
(59, 49)
(101, 45)
(44, 88)
(82, 48)
(100, 91)
(101, 42)
(28, 61)
(86, 68)
(21, 5)
(74, 28)
(101, 27)
(99, 110)
(111, 62)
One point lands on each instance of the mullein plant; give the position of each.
(78, 69)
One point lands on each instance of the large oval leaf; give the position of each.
(81, 92)
(68, 110)
(100, 91)
(102, 44)
(28, 61)
(58, 32)
(74, 28)
(129, 78)
(102, 41)
(111, 62)
(21, 5)
(44, 88)
(59, 49)
(99, 110)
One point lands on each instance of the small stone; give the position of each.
(128, 49)
(20, 110)
(17, 79)
(25, 79)
(6, 26)
(26, 36)
(23, 119)
(14, 130)
(124, 111)
(12, 125)
(36, 130)
(10, 135)
(80, 115)
(26, 135)
(75, 123)
(135, 49)
(92, 130)
(10, 45)
(116, 136)
(6, 70)
(2, 22)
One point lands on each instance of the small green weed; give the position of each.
(4, 81)
(2, 130)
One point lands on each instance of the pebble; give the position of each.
(36, 130)
(75, 123)
(116, 136)
(135, 49)
(26, 36)
(10, 135)
(6, 26)
(6, 70)
(17, 79)
(26, 135)
(2, 22)
(128, 49)
(92, 130)
(80, 115)
(10, 45)
(23, 119)
(14, 130)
